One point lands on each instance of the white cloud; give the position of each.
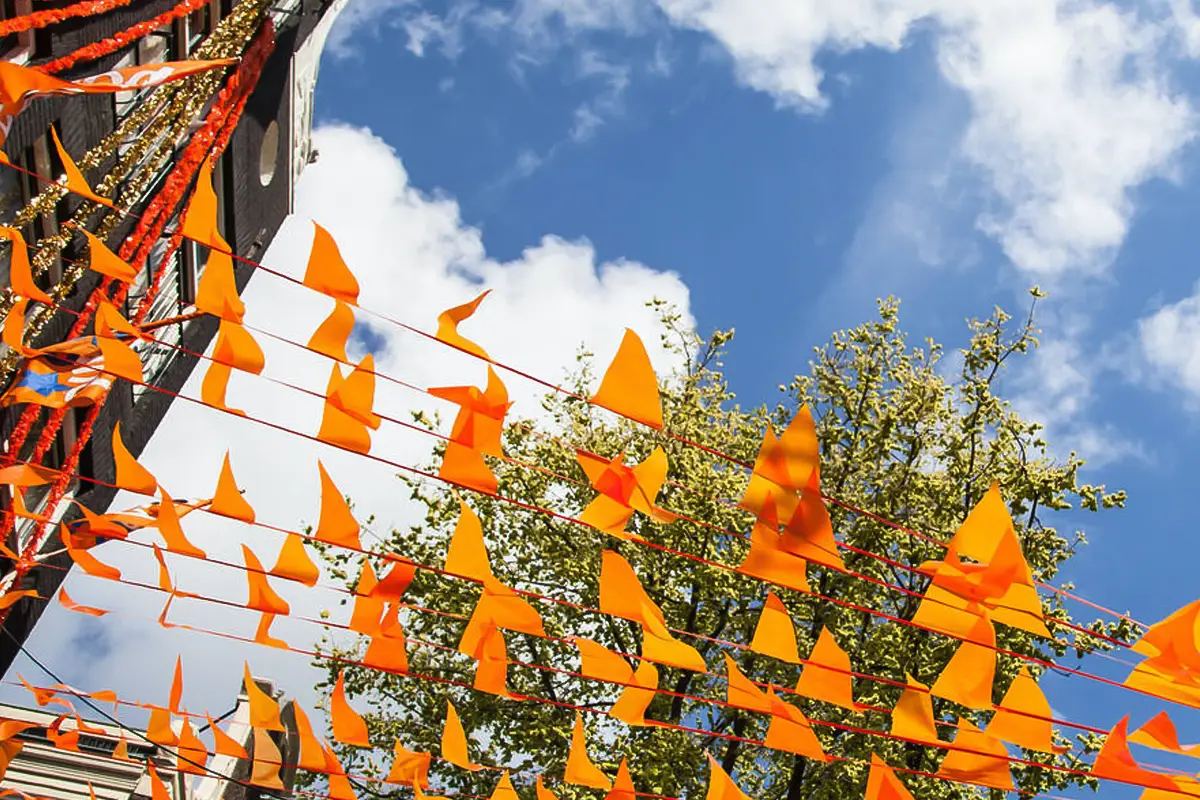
(1169, 341)
(414, 257)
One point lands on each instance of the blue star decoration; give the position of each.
(44, 384)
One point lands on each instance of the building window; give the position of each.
(268, 154)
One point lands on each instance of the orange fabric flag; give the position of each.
(20, 272)
(791, 732)
(480, 419)
(598, 662)
(295, 563)
(491, 655)
(1178, 634)
(348, 726)
(339, 428)
(977, 758)
(580, 769)
(622, 788)
(1159, 733)
(264, 711)
(767, 560)
(809, 533)
(720, 785)
(742, 692)
(621, 593)
(408, 767)
(227, 500)
(158, 729)
(24, 475)
(631, 706)
(120, 360)
(312, 753)
(237, 348)
(336, 525)
(261, 596)
(89, 563)
(1115, 762)
(105, 261)
(882, 783)
(504, 789)
(465, 467)
(395, 583)
(545, 794)
(354, 396)
(327, 271)
(826, 675)
(171, 530)
(968, 678)
(76, 182)
(340, 787)
(912, 716)
(386, 650)
(131, 476)
(176, 696)
(262, 634)
(502, 607)
(775, 635)
(223, 743)
(629, 386)
(368, 611)
(454, 741)
(66, 602)
(623, 490)
(449, 320)
(192, 755)
(467, 555)
(158, 789)
(331, 335)
(1023, 716)
(14, 326)
(264, 771)
(217, 291)
(215, 385)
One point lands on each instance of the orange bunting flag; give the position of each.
(88, 562)
(621, 593)
(227, 500)
(491, 669)
(882, 783)
(602, 664)
(1023, 716)
(775, 635)
(14, 326)
(786, 467)
(261, 596)
(454, 741)
(623, 490)
(223, 743)
(368, 611)
(264, 711)
(791, 732)
(480, 419)
(237, 348)
(192, 754)
(24, 475)
(386, 651)
(158, 789)
(354, 396)
(501, 607)
(131, 476)
(720, 785)
(977, 758)
(809, 533)
(348, 726)
(176, 696)
(294, 563)
(395, 583)
(622, 788)
(408, 767)
(580, 769)
(312, 752)
(542, 792)
(327, 272)
(629, 386)
(504, 789)
(767, 560)
(264, 771)
(968, 678)
(262, 634)
(827, 675)
(631, 706)
(11, 598)
(20, 273)
(339, 428)
(340, 787)
(449, 320)
(1115, 762)
(912, 716)
(465, 467)
(105, 261)
(742, 692)
(331, 336)
(75, 181)
(171, 529)
(158, 729)
(66, 602)
(217, 290)
(1159, 733)
(467, 555)
(336, 525)
(215, 385)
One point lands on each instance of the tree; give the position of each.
(897, 436)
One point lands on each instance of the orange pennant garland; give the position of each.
(629, 386)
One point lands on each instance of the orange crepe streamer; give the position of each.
(215, 385)
(336, 525)
(409, 767)
(742, 692)
(826, 676)
(912, 716)
(312, 754)
(449, 320)
(767, 560)
(131, 476)
(580, 769)
(491, 671)
(809, 533)
(223, 743)
(217, 292)
(504, 789)
(105, 261)
(621, 593)
(1114, 762)
(1159, 733)
(262, 634)
(295, 563)
(882, 783)
(354, 396)
(158, 789)
(622, 788)
(1023, 716)
(977, 758)
(629, 386)
(89, 563)
(342, 430)
(968, 678)
(158, 729)
(331, 336)
(20, 272)
(720, 785)
(237, 348)
(367, 611)
(480, 419)
(327, 271)
(193, 754)
(454, 741)
(775, 635)
(791, 732)
(264, 711)
(171, 530)
(395, 583)
(543, 793)
(631, 706)
(227, 500)
(75, 183)
(264, 771)
(467, 555)
(598, 662)
(261, 596)
(348, 726)
(11, 598)
(465, 467)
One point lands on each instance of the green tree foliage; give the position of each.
(905, 432)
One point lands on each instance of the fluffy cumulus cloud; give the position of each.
(1169, 340)
(414, 257)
